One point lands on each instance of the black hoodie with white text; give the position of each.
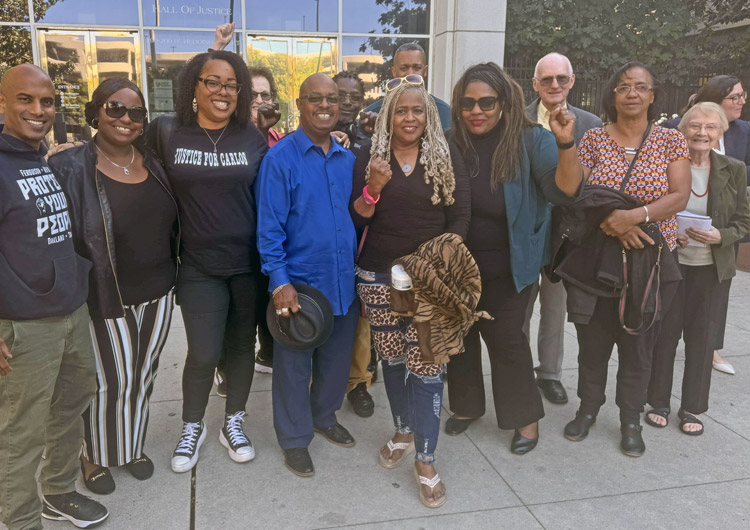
(40, 273)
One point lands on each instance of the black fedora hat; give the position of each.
(306, 329)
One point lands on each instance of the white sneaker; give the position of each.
(234, 439)
(185, 455)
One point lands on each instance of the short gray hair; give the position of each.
(411, 47)
(550, 55)
(706, 108)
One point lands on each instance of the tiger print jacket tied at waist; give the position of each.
(447, 288)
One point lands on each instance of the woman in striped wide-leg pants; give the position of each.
(127, 353)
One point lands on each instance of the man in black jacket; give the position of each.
(47, 367)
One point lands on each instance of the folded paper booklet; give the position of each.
(687, 220)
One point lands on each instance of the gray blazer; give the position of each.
(584, 120)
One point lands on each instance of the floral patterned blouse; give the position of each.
(648, 180)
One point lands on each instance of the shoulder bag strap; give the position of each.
(626, 178)
(653, 285)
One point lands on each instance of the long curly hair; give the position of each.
(506, 158)
(434, 155)
(189, 78)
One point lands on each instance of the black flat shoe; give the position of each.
(141, 468)
(361, 401)
(455, 426)
(521, 445)
(578, 429)
(100, 480)
(337, 435)
(553, 390)
(299, 462)
(632, 441)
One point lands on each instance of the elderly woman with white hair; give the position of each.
(707, 260)
(410, 186)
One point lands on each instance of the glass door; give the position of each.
(291, 60)
(77, 61)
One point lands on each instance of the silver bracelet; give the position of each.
(278, 289)
(647, 218)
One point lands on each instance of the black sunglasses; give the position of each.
(485, 103)
(115, 109)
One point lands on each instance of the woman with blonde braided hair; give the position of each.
(410, 186)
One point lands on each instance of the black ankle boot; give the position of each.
(632, 441)
(578, 429)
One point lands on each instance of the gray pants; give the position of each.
(41, 403)
(551, 334)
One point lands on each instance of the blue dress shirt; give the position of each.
(305, 233)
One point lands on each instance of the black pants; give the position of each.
(695, 315)
(220, 315)
(517, 399)
(595, 342)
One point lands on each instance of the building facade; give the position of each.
(82, 42)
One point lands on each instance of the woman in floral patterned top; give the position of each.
(660, 179)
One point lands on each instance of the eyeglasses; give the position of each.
(709, 127)
(115, 109)
(411, 79)
(265, 96)
(624, 90)
(353, 98)
(315, 99)
(215, 87)
(485, 103)
(562, 80)
(737, 97)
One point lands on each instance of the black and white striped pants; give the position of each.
(127, 351)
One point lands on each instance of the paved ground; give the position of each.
(680, 482)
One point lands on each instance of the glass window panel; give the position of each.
(190, 13)
(118, 13)
(293, 15)
(166, 55)
(15, 43)
(386, 16)
(14, 11)
(371, 58)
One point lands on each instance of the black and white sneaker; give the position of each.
(233, 438)
(185, 455)
(263, 365)
(80, 510)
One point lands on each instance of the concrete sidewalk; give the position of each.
(680, 482)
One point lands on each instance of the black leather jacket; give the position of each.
(91, 220)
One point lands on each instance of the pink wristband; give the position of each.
(368, 198)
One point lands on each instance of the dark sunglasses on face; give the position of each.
(562, 80)
(115, 109)
(411, 79)
(315, 99)
(265, 96)
(485, 103)
(215, 87)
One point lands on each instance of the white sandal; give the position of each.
(406, 447)
(431, 482)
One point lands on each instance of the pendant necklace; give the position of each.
(219, 138)
(124, 168)
(707, 182)
(406, 168)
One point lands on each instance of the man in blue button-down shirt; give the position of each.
(305, 235)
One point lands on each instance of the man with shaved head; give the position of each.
(306, 236)
(553, 79)
(47, 367)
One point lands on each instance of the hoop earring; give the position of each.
(95, 123)
(141, 133)
(195, 105)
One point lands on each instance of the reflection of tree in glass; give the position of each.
(397, 19)
(15, 43)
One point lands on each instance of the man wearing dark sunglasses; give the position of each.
(553, 79)
(410, 58)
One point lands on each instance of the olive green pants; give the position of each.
(361, 356)
(52, 382)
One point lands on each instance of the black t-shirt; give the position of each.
(488, 239)
(143, 216)
(214, 192)
(405, 216)
(40, 273)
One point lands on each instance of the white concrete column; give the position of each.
(465, 32)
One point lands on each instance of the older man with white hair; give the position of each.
(553, 79)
